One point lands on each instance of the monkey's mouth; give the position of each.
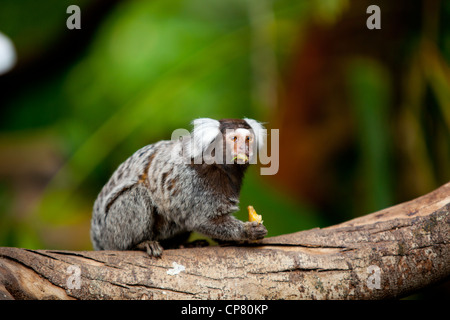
(241, 157)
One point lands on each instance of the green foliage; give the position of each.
(371, 101)
(152, 67)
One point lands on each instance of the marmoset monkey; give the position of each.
(167, 189)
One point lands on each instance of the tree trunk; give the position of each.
(387, 254)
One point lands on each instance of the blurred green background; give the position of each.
(364, 115)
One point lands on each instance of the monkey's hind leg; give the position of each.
(129, 223)
(152, 247)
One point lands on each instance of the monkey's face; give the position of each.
(239, 144)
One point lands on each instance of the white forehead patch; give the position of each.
(243, 132)
(239, 132)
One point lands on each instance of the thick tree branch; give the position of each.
(386, 254)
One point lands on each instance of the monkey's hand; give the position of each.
(255, 230)
(228, 228)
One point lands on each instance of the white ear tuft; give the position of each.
(259, 131)
(204, 132)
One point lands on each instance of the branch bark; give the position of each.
(387, 254)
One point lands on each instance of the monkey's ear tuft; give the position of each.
(258, 130)
(204, 132)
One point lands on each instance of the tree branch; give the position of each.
(387, 254)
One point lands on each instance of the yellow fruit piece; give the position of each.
(240, 156)
(253, 216)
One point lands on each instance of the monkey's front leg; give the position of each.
(229, 228)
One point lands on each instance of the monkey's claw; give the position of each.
(255, 230)
(153, 248)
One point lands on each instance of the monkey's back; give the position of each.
(132, 172)
(156, 194)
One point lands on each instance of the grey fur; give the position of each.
(154, 196)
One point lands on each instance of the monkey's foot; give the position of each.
(153, 248)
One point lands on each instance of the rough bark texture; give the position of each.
(386, 254)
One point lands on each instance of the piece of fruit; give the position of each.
(241, 156)
(253, 216)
